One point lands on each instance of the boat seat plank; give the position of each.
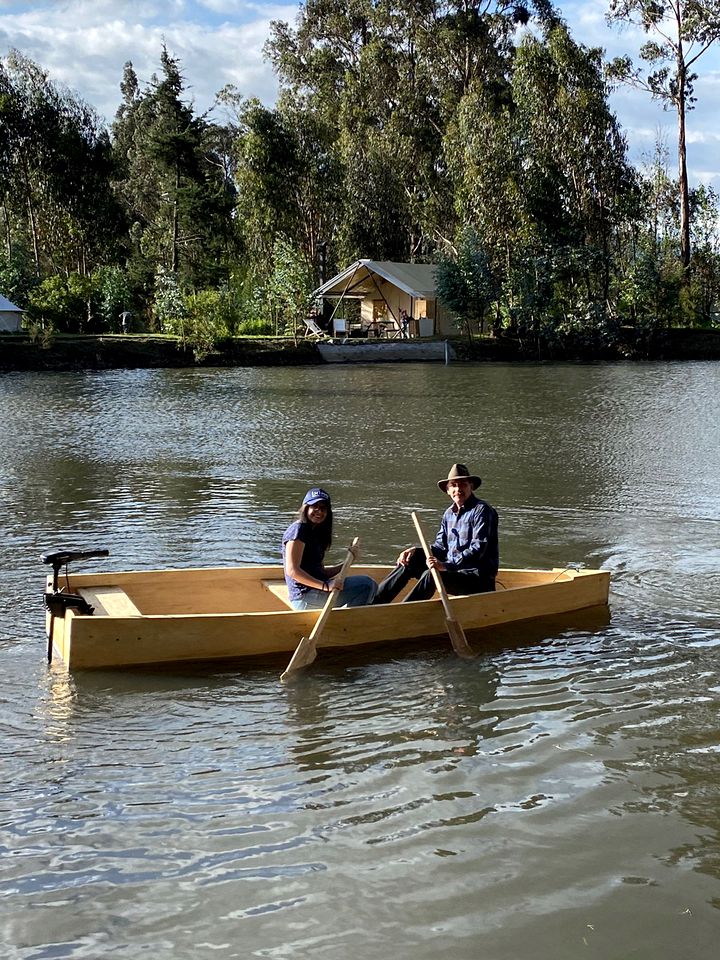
(279, 589)
(110, 601)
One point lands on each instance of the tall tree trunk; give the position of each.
(31, 218)
(33, 233)
(8, 234)
(682, 170)
(174, 254)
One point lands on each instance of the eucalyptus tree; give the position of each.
(315, 189)
(286, 207)
(342, 62)
(27, 118)
(386, 77)
(8, 126)
(705, 286)
(540, 172)
(89, 219)
(267, 170)
(682, 31)
(408, 86)
(483, 158)
(576, 183)
(466, 283)
(56, 165)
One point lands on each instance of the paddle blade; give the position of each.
(305, 653)
(459, 641)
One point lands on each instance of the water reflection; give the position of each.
(56, 709)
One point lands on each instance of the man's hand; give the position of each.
(404, 558)
(435, 564)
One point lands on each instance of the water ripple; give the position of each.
(560, 790)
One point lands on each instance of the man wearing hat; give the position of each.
(465, 552)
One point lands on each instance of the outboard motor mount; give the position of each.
(58, 600)
(58, 558)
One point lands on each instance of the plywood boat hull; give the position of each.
(175, 616)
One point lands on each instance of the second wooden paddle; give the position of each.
(306, 650)
(457, 635)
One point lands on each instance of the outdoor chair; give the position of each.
(312, 328)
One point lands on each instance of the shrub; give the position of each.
(63, 302)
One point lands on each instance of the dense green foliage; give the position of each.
(408, 130)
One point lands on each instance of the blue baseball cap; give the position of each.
(316, 495)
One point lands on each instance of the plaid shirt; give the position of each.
(468, 538)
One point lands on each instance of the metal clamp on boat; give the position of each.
(57, 603)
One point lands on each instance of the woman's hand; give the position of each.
(335, 584)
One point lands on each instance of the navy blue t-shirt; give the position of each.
(312, 558)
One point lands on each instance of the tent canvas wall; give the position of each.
(10, 315)
(385, 289)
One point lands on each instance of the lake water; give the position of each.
(558, 797)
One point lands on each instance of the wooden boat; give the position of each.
(176, 616)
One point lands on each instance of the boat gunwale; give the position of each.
(565, 576)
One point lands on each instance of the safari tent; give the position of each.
(396, 299)
(10, 316)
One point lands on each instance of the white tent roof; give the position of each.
(7, 307)
(10, 316)
(363, 277)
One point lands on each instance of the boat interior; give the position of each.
(228, 590)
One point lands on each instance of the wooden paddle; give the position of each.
(457, 635)
(306, 651)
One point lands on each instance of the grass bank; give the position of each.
(143, 351)
(140, 351)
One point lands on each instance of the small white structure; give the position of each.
(396, 299)
(10, 316)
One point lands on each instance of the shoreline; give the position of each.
(151, 351)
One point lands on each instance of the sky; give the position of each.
(85, 44)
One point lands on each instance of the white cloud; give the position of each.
(703, 136)
(85, 43)
(226, 7)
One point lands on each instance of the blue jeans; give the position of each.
(357, 592)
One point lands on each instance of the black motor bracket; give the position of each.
(61, 557)
(58, 602)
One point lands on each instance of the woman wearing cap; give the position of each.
(465, 552)
(304, 545)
